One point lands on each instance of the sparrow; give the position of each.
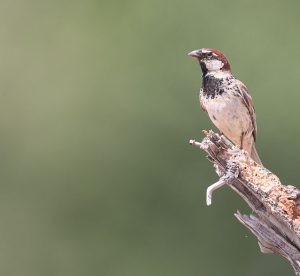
(227, 100)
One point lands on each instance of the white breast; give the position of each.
(229, 115)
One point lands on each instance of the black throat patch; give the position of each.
(213, 86)
(203, 67)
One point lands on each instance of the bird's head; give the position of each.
(211, 60)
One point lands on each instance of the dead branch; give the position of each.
(277, 224)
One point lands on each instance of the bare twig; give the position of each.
(277, 225)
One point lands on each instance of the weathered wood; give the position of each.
(277, 225)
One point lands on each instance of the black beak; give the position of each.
(195, 54)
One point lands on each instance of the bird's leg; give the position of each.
(231, 173)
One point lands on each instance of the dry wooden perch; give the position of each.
(277, 224)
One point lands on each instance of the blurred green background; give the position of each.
(98, 102)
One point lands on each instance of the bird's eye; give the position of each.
(210, 54)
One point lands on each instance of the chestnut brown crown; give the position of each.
(211, 59)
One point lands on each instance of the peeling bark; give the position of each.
(277, 224)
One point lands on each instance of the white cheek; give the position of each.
(214, 65)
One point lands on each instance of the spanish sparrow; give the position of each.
(226, 100)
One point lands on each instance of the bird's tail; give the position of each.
(254, 155)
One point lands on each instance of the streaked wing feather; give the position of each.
(249, 104)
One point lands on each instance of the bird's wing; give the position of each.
(200, 99)
(247, 99)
